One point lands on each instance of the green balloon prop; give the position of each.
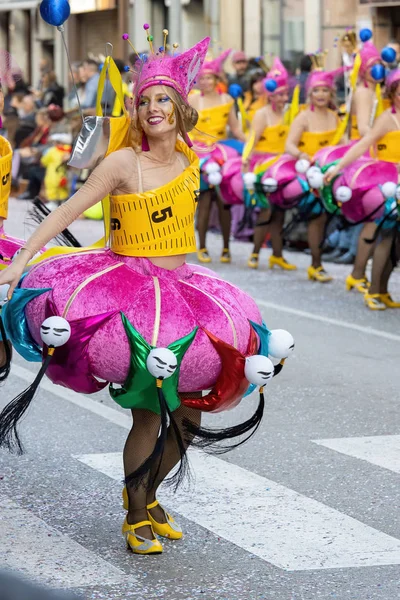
(326, 192)
(139, 389)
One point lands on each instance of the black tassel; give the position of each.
(5, 369)
(247, 220)
(209, 438)
(138, 476)
(39, 212)
(183, 471)
(378, 231)
(15, 410)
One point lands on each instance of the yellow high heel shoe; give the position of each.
(374, 302)
(170, 529)
(361, 285)
(252, 263)
(318, 274)
(137, 543)
(225, 256)
(279, 261)
(203, 255)
(388, 301)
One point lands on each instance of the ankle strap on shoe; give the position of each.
(152, 505)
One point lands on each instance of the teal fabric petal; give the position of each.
(263, 333)
(13, 315)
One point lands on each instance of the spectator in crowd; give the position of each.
(89, 76)
(305, 70)
(241, 75)
(71, 100)
(26, 110)
(51, 93)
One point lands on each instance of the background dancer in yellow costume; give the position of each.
(216, 113)
(315, 128)
(267, 138)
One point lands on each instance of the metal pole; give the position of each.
(175, 21)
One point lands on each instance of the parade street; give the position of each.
(307, 509)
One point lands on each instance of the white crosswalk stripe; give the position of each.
(30, 546)
(294, 532)
(381, 450)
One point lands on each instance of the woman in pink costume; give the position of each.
(216, 113)
(383, 140)
(267, 139)
(136, 314)
(363, 108)
(313, 129)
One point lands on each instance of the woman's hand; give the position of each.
(12, 274)
(331, 174)
(304, 156)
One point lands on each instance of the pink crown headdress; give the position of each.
(369, 57)
(323, 78)
(215, 65)
(279, 74)
(178, 71)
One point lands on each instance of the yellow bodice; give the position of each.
(212, 124)
(5, 174)
(310, 142)
(273, 139)
(159, 222)
(388, 148)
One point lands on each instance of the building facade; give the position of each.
(289, 28)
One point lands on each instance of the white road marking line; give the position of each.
(381, 450)
(271, 521)
(329, 320)
(30, 546)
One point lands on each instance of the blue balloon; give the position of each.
(388, 55)
(235, 90)
(365, 35)
(378, 72)
(271, 85)
(55, 12)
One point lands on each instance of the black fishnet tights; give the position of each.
(364, 250)
(315, 235)
(138, 447)
(274, 228)
(382, 266)
(203, 217)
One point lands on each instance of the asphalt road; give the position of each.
(308, 509)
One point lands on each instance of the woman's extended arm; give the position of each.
(107, 176)
(298, 127)
(384, 124)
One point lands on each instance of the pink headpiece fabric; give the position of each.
(178, 72)
(392, 78)
(323, 79)
(369, 56)
(215, 66)
(279, 74)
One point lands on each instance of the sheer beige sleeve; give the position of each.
(116, 173)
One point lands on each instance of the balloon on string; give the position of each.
(270, 85)
(235, 90)
(388, 55)
(55, 12)
(378, 72)
(365, 35)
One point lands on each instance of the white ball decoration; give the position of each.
(389, 189)
(249, 180)
(331, 168)
(55, 331)
(315, 178)
(269, 185)
(397, 194)
(3, 293)
(280, 344)
(214, 178)
(258, 369)
(343, 193)
(211, 167)
(302, 165)
(161, 363)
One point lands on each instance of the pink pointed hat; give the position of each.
(178, 71)
(369, 57)
(279, 74)
(321, 78)
(392, 78)
(215, 65)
